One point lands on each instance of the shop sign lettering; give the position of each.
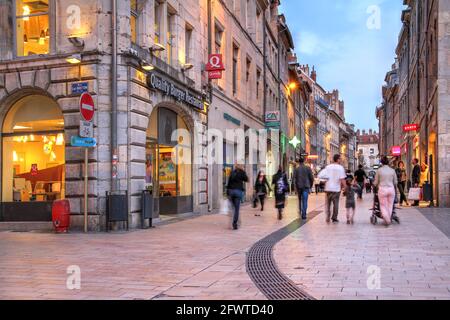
(171, 90)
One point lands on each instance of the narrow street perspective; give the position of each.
(211, 151)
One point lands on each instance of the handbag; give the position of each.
(414, 194)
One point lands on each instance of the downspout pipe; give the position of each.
(114, 124)
(210, 89)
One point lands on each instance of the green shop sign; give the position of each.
(227, 117)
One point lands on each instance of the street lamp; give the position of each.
(292, 85)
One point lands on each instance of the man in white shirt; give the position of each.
(335, 176)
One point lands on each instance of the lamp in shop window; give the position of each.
(47, 33)
(26, 13)
(60, 139)
(25, 38)
(42, 38)
(15, 157)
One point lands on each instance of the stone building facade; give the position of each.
(35, 73)
(416, 94)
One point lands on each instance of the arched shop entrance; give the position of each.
(169, 161)
(32, 158)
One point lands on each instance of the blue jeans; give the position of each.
(235, 197)
(303, 195)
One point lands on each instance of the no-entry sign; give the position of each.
(87, 108)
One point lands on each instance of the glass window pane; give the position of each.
(33, 35)
(133, 29)
(134, 5)
(29, 7)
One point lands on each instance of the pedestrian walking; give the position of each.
(402, 178)
(335, 176)
(361, 177)
(415, 178)
(235, 191)
(317, 184)
(262, 188)
(304, 181)
(281, 187)
(352, 188)
(386, 182)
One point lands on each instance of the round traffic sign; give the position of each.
(87, 108)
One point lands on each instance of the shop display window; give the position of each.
(33, 151)
(32, 27)
(168, 163)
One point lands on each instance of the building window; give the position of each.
(133, 20)
(249, 66)
(259, 24)
(32, 27)
(158, 21)
(218, 38)
(235, 68)
(247, 15)
(258, 83)
(170, 34)
(188, 43)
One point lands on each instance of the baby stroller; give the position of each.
(376, 211)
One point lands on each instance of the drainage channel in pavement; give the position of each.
(264, 271)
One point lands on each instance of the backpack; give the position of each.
(281, 186)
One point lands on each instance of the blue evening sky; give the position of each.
(333, 35)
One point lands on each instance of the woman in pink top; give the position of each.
(385, 181)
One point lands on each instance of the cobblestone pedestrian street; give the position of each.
(202, 258)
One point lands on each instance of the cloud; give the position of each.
(333, 36)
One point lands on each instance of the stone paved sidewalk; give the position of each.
(202, 258)
(332, 261)
(199, 258)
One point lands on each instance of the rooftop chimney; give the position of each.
(314, 74)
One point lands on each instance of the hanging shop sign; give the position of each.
(215, 66)
(295, 142)
(411, 127)
(396, 151)
(169, 88)
(272, 119)
(215, 63)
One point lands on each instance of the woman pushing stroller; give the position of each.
(386, 182)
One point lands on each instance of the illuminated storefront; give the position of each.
(33, 159)
(169, 161)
